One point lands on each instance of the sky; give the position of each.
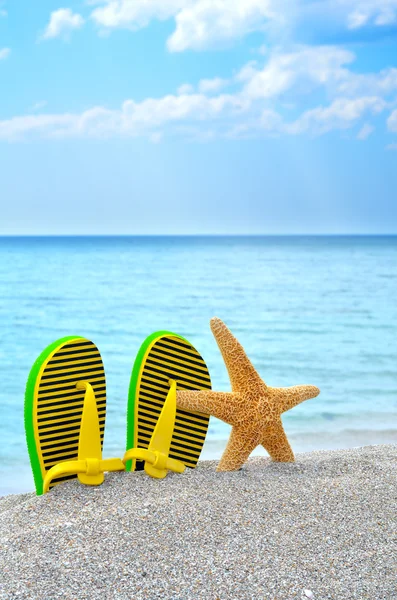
(198, 117)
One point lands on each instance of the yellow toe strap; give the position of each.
(157, 461)
(160, 463)
(92, 468)
(64, 468)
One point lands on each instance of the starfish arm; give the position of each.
(286, 398)
(242, 373)
(238, 449)
(222, 405)
(276, 444)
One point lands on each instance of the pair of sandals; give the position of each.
(65, 410)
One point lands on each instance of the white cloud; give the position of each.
(233, 115)
(135, 14)
(5, 53)
(247, 71)
(356, 19)
(352, 84)
(208, 86)
(62, 22)
(365, 131)
(199, 23)
(3, 13)
(306, 68)
(392, 121)
(132, 119)
(185, 88)
(255, 107)
(205, 86)
(18, 127)
(370, 12)
(391, 146)
(341, 114)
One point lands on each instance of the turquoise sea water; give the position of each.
(320, 310)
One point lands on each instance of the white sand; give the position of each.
(323, 527)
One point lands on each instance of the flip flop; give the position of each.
(54, 405)
(165, 357)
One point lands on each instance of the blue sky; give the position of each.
(198, 116)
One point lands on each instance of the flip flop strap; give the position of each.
(71, 467)
(89, 466)
(158, 460)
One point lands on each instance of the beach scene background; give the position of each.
(308, 309)
(163, 163)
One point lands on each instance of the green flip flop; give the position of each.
(164, 357)
(54, 406)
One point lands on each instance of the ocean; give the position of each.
(318, 310)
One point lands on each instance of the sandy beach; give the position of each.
(323, 528)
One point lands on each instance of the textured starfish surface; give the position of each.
(252, 408)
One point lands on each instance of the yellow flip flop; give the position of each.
(65, 410)
(163, 358)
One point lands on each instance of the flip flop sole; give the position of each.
(164, 356)
(53, 405)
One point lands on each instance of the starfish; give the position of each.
(253, 408)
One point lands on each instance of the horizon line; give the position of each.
(190, 235)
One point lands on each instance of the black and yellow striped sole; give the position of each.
(53, 405)
(165, 356)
